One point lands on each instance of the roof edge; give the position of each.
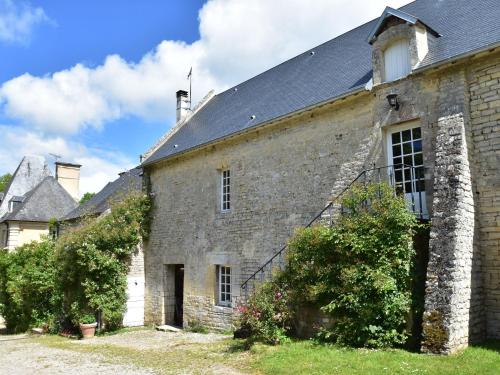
(458, 57)
(352, 92)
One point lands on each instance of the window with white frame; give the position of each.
(397, 61)
(224, 291)
(225, 190)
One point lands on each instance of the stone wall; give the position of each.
(281, 177)
(284, 174)
(485, 120)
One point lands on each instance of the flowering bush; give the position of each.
(266, 315)
(358, 271)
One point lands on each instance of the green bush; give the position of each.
(94, 261)
(266, 317)
(78, 276)
(358, 271)
(28, 296)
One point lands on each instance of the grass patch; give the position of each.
(305, 357)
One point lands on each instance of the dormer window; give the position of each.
(396, 60)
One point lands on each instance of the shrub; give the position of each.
(265, 317)
(94, 261)
(28, 296)
(81, 275)
(358, 271)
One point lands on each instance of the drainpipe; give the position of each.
(7, 236)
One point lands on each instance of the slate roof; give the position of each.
(338, 67)
(29, 173)
(46, 201)
(99, 203)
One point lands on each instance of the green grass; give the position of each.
(299, 357)
(308, 358)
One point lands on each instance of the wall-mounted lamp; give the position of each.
(393, 101)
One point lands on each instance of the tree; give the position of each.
(4, 181)
(87, 196)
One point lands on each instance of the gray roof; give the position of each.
(30, 172)
(99, 203)
(46, 201)
(337, 67)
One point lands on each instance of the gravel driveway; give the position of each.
(135, 352)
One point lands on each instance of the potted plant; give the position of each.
(88, 325)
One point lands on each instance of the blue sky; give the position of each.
(95, 81)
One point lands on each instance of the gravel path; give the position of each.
(23, 356)
(184, 353)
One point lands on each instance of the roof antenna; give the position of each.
(55, 156)
(190, 77)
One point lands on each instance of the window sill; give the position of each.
(223, 308)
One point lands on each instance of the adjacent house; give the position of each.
(34, 198)
(418, 87)
(99, 205)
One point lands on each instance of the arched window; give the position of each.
(397, 60)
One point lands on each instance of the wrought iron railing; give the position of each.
(404, 179)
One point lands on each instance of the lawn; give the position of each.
(307, 358)
(202, 354)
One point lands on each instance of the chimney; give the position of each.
(182, 105)
(68, 175)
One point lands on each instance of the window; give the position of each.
(406, 153)
(224, 285)
(397, 61)
(225, 190)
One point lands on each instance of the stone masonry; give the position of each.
(485, 124)
(283, 174)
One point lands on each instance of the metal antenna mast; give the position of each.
(190, 77)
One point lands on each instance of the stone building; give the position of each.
(418, 86)
(33, 198)
(100, 204)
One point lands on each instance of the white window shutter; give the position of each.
(397, 61)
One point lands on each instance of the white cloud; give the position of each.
(18, 19)
(239, 38)
(98, 166)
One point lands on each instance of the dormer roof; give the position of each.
(391, 12)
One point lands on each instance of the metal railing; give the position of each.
(404, 179)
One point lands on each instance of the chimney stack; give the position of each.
(183, 105)
(68, 175)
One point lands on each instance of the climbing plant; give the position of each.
(94, 260)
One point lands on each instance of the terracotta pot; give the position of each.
(88, 330)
